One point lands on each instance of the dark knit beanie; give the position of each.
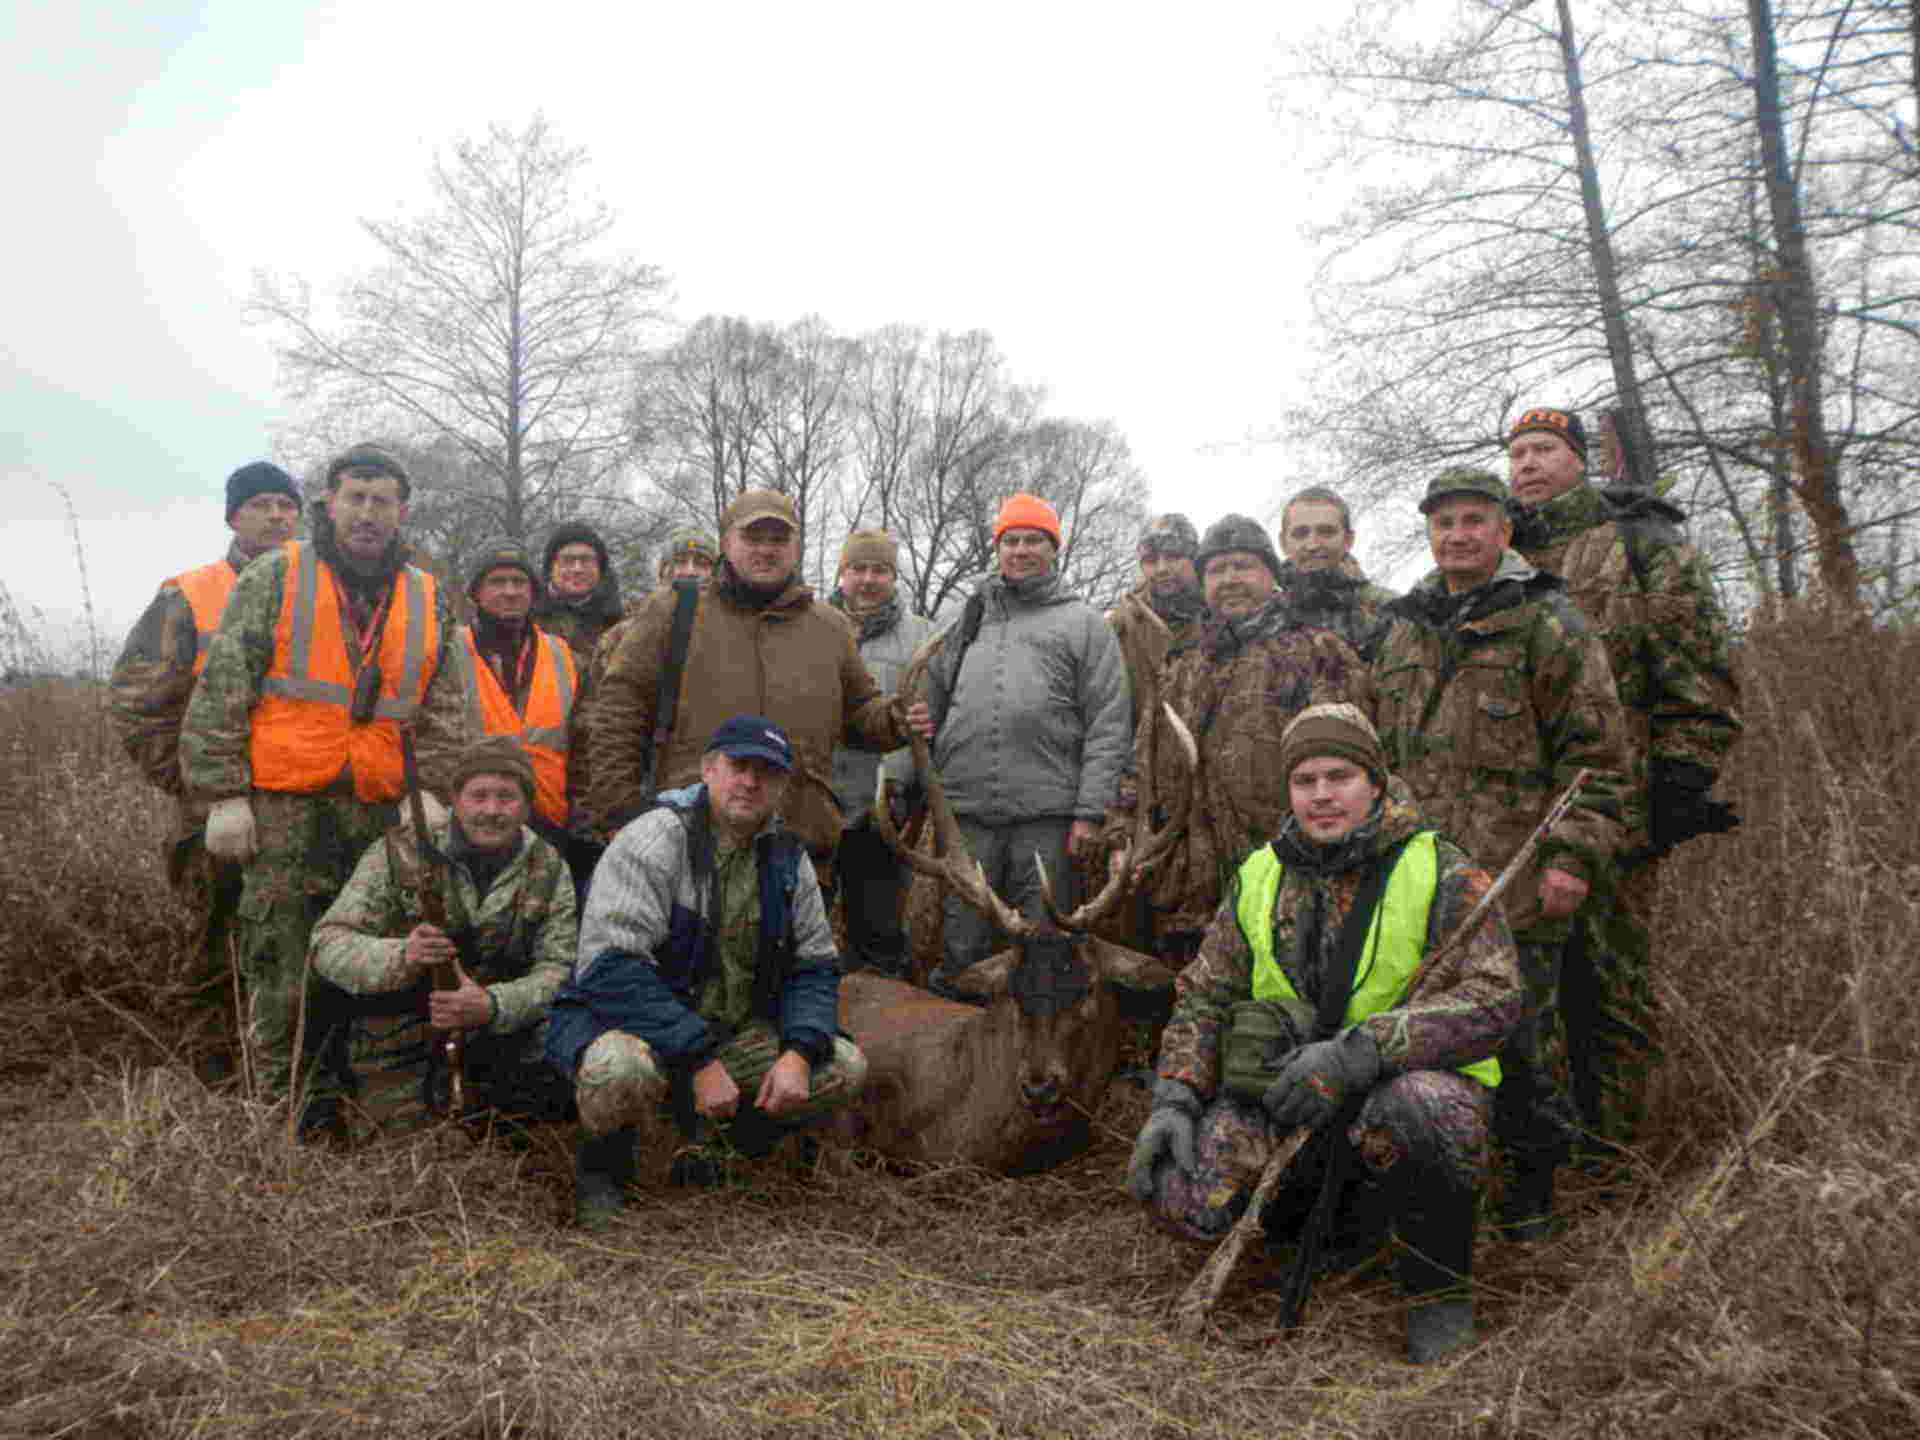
(1237, 532)
(575, 532)
(496, 553)
(495, 755)
(262, 477)
(1563, 423)
(1335, 729)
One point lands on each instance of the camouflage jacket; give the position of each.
(152, 682)
(1341, 600)
(1236, 689)
(1488, 703)
(1143, 643)
(524, 927)
(215, 759)
(581, 623)
(1646, 591)
(1452, 1015)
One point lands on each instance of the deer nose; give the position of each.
(1039, 1091)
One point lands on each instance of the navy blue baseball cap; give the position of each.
(753, 737)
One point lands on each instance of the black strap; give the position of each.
(667, 700)
(1336, 985)
(965, 632)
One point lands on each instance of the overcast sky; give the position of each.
(1105, 188)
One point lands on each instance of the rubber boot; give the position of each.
(1526, 1207)
(603, 1167)
(1436, 1276)
(323, 1121)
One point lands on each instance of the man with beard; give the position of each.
(1251, 670)
(1492, 694)
(1318, 1000)
(326, 648)
(153, 679)
(1646, 593)
(373, 949)
(870, 874)
(759, 645)
(1324, 583)
(1170, 589)
(523, 682)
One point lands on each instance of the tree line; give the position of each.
(529, 375)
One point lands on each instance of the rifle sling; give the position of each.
(686, 599)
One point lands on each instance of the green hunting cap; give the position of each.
(1464, 484)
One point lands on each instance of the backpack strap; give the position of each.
(667, 700)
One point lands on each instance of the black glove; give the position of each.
(1681, 807)
(1169, 1129)
(1318, 1079)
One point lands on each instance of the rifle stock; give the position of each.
(448, 1046)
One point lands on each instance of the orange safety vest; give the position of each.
(206, 588)
(542, 731)
(303, 730)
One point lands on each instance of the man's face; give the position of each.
(505, 593)
(1468, 535)
(765, 553)
(1331, 797)
(366, 512)
(576, 570)
(867, 584)
(1541, 466)
(690, 565)
(1238, 583)
(264, 522)
(1314, 536)
(1024, 554)
(742, 792)
(1168, 574)
(491, 809)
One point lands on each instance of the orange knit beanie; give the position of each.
(1027, 512)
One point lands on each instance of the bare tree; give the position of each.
(493, 325)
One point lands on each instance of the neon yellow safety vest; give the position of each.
(1396, 940)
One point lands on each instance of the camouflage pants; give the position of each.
(621, 1081)
(308, 846)
(1418, 1134)
(1532, 1118)
(210, 889)
(1607, 1008)
(1005, 853)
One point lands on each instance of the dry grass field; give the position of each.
(175, 1269)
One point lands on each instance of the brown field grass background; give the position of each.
(175, 1269)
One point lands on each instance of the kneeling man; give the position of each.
(706, 968)
(510, 894)
(1313, 1002)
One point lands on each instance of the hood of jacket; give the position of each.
(1514, 582)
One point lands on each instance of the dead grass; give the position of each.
(177, 1270)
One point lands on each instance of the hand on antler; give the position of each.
(1083, 839)
(919, 719)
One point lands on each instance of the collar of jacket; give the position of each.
(727, 584)
(1005, 595)
(687, 799)
(238, 559)
(1514, 582)
(1395, 817)
(873, 624)
(1321, 589)
(600, 603)
(1223, 637)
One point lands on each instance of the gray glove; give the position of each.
(230, 830)
(1317, 1079)
(1169, 1129)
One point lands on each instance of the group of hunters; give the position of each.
(597, 847)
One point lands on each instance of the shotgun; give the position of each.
(447, 1047)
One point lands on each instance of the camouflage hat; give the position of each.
(870, 547)
(1237, 533)
(494, 755)
(1170, 534)
(493, 555)
(368, 460)
(690, 540)
(759, 505)
(1473, 484)
(1335, 729)
(1563, 423)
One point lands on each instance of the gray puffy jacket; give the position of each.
(1040, 720)
(887, 656)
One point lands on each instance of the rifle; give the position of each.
(1200, 1296)
(448, 1047)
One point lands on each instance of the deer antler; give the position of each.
(955, 864)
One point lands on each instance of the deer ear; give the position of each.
(1117, 965)
(985, 979)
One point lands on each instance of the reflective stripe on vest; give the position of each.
(543, 731)
(206, 588)
(1395, 944)
(303, 732)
